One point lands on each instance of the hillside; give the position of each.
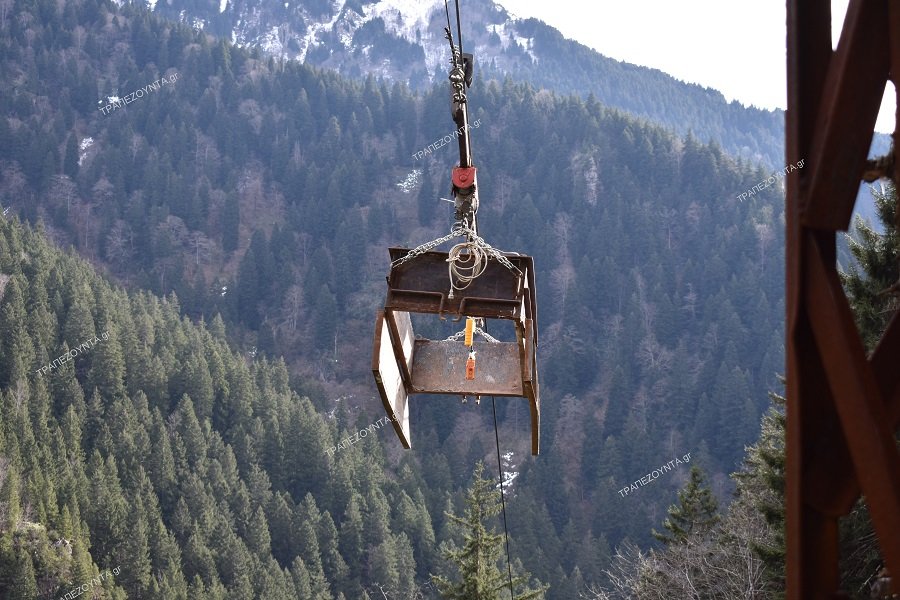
(260, 198)
(403, 40)
(156, 451)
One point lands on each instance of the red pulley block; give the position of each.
(463, 177)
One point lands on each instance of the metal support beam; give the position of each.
(842, 409)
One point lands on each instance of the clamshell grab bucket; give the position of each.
(404, 364)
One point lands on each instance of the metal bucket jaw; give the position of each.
(404, 365)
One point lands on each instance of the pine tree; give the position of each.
(761, 484)
(134, 551)
(258, 539)
(16, 349)
(872, 285)
(23, 585)
(476, 561)
(695, 512)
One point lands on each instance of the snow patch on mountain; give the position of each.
(527, 44)
(403, 17)
(410, 182)
(409, 19)
(309, 40)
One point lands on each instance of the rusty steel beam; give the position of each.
(894, 26)
(884, 363)
(849, 106)
(859, 404)
(841, 408)
(832, 470)
(810, 536)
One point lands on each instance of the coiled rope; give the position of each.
(466, 262)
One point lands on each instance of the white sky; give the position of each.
(734, 46)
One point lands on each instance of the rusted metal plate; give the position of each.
(439, 367)
(422, 285)
(390, 381)
(884, 362)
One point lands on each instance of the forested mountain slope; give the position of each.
(403, 40)
(156, 450)
(267, 193)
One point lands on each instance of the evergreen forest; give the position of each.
(209, 258)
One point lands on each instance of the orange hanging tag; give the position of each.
(470, 330)
(470, 366)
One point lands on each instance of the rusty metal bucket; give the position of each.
(404, 365)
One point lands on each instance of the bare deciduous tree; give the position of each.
(63, 189)
(14, 181)
(119, 243)
(250, 186)
(648, 309)
(720, 564)
(202, 247)
(5, 5)
(653, 355)
(562, 278)
(291, 309)
(690, 301)
(102, 192)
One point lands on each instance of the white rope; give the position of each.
(466, 268)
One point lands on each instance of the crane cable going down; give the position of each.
(464, 268)
(468, 260)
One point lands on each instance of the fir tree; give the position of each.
(476, 561)
(23, 585)
(872, 283)
(760, 483)
(695, 512)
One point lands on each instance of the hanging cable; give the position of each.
(502, 498)
(458, 28)
(447, 10)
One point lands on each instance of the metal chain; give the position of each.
(458, 231)
(458, 336)
(419, 250)
(498, 256)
